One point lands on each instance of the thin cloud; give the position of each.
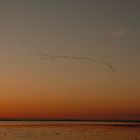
(121, 32)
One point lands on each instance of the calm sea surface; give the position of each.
(45, 130)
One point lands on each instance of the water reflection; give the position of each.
(69, 131)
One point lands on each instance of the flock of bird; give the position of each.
(45, 56)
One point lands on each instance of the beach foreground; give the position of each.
(69, 131)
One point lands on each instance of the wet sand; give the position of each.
(69, 131)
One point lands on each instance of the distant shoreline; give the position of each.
(68, 124)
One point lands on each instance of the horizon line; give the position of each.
(70, 120)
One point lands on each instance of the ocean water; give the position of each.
(48, 130)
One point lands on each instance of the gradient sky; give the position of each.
(33, 87)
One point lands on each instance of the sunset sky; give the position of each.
(70, 59)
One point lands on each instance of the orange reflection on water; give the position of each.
(69, 130)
